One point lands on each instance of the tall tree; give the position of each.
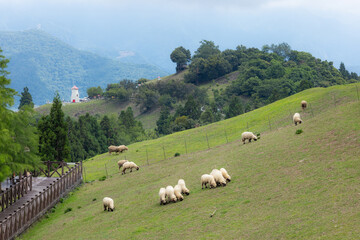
(181, 57)
(53, 140)
(26, 99)
(206, 49)
(235, 107)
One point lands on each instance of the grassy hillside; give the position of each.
(45, 65)
(283, 186)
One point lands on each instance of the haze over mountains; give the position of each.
(45, 65)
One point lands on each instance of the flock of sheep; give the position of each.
(173, 194)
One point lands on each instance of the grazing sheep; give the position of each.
(130, 165)
(169, 191)
(208, 179)
(122, 148)
(121, 162)
(177, 192)
(225, 174)
(248, 135)
(108, 203)
(113, 149)
(219, 179)
(297, 119)
(303, 104)
(184, 189)
(162, 196)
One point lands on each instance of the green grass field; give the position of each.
(284, 186)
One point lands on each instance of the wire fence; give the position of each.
(213, 135)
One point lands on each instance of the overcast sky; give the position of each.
(327, 29)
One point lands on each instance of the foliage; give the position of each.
(299, 131)
(53, 137)
(94, 92)
(146, 98)
(235, 107)
(181, 57)
(26, 99)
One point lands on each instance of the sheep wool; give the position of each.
(249, 136)
(303, 104)
(121, 162)
(297, 119)
(108, 203)
(162, 196)
(112, 149)
(225, 174)
(208, 179)
(129, 165)
(184, 189)
(122, 148)
(219, 179)
(177, 192)
(170, 194)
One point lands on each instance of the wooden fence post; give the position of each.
(227, 141)
(147, 156)
(164, 151)
(185, 146)
(269, 122)
(207, 139)
(357, 90)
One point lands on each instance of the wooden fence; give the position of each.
(32, 210)
(15, 192)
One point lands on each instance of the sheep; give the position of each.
(130, 165)
(113, 149)
(184, 189)
(208, 179)
(162, 196)
(303, 104)
(169, 191)
(122, 148)
(219, 179)
(121, 162)
(177, 192)
(108, 203)
(248, 135)
(297, 119)
(225, 174)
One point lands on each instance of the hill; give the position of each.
(283, 186)
(45, 65)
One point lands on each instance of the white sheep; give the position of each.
(303, 104)
(225, 174)
(169, 191)
(184, 189)
(219, 179)
(297, 119)
(121, 162)
(108, 203)
(162, 195)
(208, 179)
(130, 165)
(249, 136)
(177, 192)
(122, 148)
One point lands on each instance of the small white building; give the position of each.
(75, 94)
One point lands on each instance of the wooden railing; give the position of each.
(29, 212)
(10, 195)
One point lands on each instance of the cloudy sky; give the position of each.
(327, 29)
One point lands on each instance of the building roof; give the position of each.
(74, 88)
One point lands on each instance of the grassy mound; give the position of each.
(285, 185)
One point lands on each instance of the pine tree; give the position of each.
(53, 139)
(164, 122)
(235, 107)
(26, 98)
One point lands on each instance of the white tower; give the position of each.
(74, 94)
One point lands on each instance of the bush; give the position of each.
(299, 131)
(177, 154)
(68, 210)
(102, 178)
(94, 199)
(61, 200)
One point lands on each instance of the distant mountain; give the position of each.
(45, 65)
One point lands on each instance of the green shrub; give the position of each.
(177, 154)
(94, 199)
(299, 131)
(102, 178)
(61, 200)
(68, 210)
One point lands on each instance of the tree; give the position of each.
(18, 141)
(53, 139)
(192, 108)
(26, 99)
(163, 124)
(94, 92)
(345, 73)
(235, 107)
(181, 57)
(206, 49)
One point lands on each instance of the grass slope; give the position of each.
(283, 186)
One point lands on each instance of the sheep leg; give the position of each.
(130, 169)
(104, 207)
(250, 140)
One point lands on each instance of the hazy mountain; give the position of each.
(45, 65)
